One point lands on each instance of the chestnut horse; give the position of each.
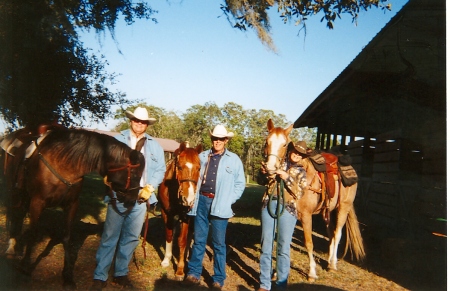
(176, 194)
(46, 169)
(311, 203)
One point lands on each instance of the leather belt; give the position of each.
(209, 195)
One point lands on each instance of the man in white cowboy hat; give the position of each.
(121, 232)
(221, 184)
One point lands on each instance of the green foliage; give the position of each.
(254, 14)
(45, 72)
(194, 126)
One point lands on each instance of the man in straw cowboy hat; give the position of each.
(221, 184)
(294, 177)
(121, 231)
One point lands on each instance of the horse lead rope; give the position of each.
(278, 213)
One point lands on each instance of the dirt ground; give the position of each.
(390, 265)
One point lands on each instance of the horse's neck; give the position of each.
(170, 173)
(310, 171)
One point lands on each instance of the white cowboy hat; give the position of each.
(140, 113)
(220, 131)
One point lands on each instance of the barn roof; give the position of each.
(168, 145)
(398, 81)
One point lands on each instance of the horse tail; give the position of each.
(354, 237)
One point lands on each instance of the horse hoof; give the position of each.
(312, 278)
(179, 278)
(164, 264)
(331, 268)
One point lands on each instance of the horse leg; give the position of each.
(307, 232)
(70, 256)
(182, 242)
(36, 208)
(15, 218)
(335, 238)
(169, 239)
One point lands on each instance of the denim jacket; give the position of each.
(230, 184)
(155, 165)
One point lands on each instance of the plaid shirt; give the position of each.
(295, 184)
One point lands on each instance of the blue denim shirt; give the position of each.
(155, 164)
(230, 184)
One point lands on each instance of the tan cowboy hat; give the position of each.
(140, 113)
(299, 146)
(221, 131)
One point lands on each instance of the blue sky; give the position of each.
(193, 56)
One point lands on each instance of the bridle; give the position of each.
(180, 180)
(127, 191)
(280, 159)
(127, 167)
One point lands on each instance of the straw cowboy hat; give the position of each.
(221, 131)
(299, 146)
(141, 114)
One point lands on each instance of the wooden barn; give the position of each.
(387, 109)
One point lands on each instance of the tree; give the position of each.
(254, 14)
(47, 75)
(45, 72)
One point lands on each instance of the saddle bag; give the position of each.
(348, 175)
(318, 161)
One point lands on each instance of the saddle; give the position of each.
(327, 165)
(333, 169)
(18, 147)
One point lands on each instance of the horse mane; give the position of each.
(83, 149)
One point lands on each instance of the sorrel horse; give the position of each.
(176, 194)
(46, 169)
(311, 203)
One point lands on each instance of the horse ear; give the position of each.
(199, 148)
(140, 144)
(288, 130)
(270, 124)
(182, 147)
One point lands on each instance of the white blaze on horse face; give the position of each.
(275, 142)
(191, 190)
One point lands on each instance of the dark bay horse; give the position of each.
(176, 194)
(46, 169)
(312, 203)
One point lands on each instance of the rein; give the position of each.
(278, 213)
(280, 199)
(54, 172)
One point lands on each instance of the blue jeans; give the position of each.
(121, 233)
(285, 228)
(201, 230)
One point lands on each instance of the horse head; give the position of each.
(277, 142)
(125, 179)
(187, 173)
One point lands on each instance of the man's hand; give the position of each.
(146, 192)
